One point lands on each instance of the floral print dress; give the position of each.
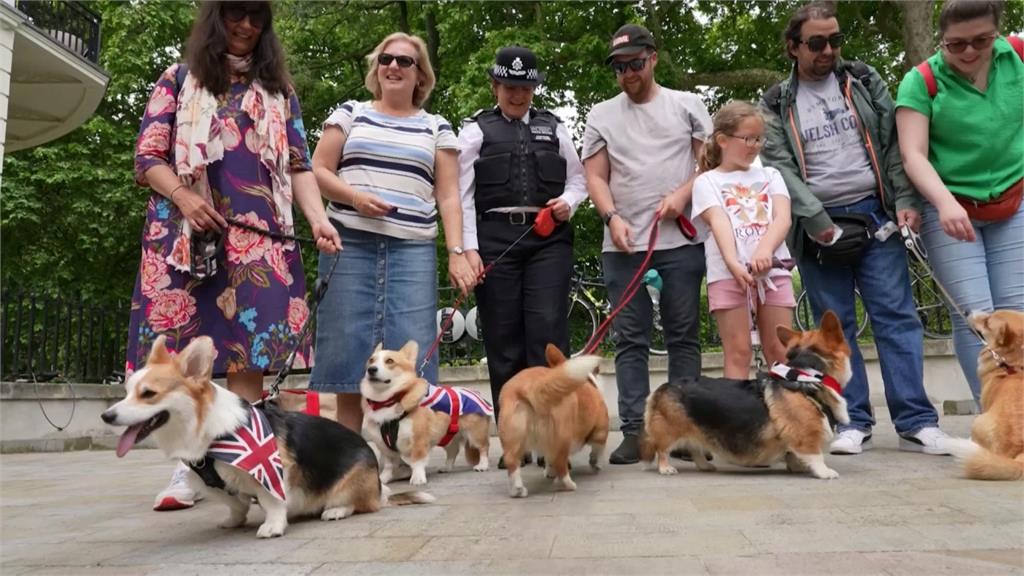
(254, 306)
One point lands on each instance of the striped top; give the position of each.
(391, 157)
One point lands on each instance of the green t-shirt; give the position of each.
(976, 139)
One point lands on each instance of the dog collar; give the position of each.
(380, 405)
(781, 371)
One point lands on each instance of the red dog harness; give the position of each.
(448, 399)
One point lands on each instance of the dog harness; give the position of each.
(807, 381)
(451, 400)
(252, 448)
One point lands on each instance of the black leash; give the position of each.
(264, 232)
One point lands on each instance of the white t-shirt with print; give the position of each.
(747, 198)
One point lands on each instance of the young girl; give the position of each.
(747, 209)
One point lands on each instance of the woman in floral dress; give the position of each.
(223, 139)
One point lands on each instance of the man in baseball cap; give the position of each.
(630, 39)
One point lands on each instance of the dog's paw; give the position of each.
(595, 465)
(826, 474)
(337, 513)
(418, 478)
(549, 472)
(705, 466)
(565, 484)
(385, 477)
(482, 467)
(270, 530)
(517, 491)
(667, 470)
(232, 522)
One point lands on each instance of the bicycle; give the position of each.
(587, 311)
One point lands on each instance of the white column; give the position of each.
(6, 57)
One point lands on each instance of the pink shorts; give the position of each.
(728, 294)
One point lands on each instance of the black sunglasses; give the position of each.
(634, 65)
(817, 43)
(237, 11)
(385, 59)
(980, 43)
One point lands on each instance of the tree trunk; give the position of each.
(918, 33)
(403, 17)
(433, 41)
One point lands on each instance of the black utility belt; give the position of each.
(516, 218)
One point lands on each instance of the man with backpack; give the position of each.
(830, 131)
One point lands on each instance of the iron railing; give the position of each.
(69, 23)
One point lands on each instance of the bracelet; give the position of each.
(178, 187)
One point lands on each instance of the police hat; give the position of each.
(516, 66)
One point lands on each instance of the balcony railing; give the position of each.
(69, 23)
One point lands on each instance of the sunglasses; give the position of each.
(634, 65)
(817, 43)
(237, 11)
(750, 141)
(385, 59)
(980, 43)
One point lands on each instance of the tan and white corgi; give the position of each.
(292, 463)
(404, 416)
(555, 410)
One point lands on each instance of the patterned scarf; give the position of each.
(198, 143)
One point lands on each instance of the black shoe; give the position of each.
(628, 452)
(527, 459)
(684, 455)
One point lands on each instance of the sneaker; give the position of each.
(928, 440)
(851, 441)
(179, 493)
(628, 452)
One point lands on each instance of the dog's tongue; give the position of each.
(127, 441)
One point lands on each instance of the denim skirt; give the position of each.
(383, 290)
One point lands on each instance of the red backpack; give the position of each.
(929, 77)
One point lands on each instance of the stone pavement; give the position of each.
(889, 513)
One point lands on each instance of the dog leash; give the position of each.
(755, 334)
(912, 242)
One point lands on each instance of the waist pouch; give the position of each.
(1000, 208)
(850, 248)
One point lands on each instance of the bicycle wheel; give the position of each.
(583, 322)
(931, 308)
(804, 316)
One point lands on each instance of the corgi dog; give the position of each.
(404, 416)
(996, 448)
(555, 410)
(788, 415)
(293, 464)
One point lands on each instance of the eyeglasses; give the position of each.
(980, 43)
(817, 43)
(750, 141)
(635, 65)
(385, 59)
(237, 11)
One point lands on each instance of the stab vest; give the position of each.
(519, 163)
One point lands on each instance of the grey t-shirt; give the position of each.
(650, 154)
(838, 169)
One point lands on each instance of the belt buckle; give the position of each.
(520, 221)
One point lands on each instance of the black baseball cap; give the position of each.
(629, 39)
(516, 66)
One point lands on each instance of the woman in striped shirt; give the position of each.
(388, 168)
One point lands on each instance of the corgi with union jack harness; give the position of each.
(293, 464)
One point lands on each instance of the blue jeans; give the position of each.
(681, 270)
(383, 290)
(884, 283)
(984, 275)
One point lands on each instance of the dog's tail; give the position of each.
(562, 381)
(983, 464)
(404, 498)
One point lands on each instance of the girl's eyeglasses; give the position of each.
(980, 43)
(634, 65)
(237, 11)
(750, 141)
(817, 43)
(385, 59)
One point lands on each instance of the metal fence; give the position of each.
(70, 24)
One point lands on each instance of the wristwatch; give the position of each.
(457, 250)
(608, 216)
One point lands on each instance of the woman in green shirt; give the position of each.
(962, 141)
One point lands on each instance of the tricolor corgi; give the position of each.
(292, 463)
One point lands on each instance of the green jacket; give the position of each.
(869, 96)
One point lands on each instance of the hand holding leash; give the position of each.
(199, 213)
(328, 240)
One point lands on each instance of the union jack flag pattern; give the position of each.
(253, 449)
(439, 398)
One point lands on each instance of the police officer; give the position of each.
(515, 160)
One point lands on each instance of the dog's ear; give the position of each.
(196, 360)
(410, 350)
(786, 334)
(1004, 330)
(553, 355)
(832, 329)
(158, 354)
(979, 321)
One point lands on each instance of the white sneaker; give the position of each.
(928, 440)
(179, 493)
(851, 441)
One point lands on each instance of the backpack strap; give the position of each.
(179, 75)
(925, 69)
(1018, 45)
(772, 99)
